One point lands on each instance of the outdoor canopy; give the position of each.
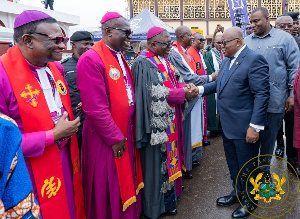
(140, 24)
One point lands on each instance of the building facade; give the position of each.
(205, 14)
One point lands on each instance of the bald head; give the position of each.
(217, 42)
(233, 41)
(284, 19)
(184, 36)
(234, 32)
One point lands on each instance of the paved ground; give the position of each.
(212, 180)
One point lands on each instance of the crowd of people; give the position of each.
(92, 137)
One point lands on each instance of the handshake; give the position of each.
(191, 91)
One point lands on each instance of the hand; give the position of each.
(252, 136)
(215, 75)
(79, 108)
(191, 91)
(289, 104)
(119, 148)
(64, 129)
(219, 28)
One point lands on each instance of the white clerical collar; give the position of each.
(113, 49)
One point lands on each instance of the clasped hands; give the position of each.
(191, 91)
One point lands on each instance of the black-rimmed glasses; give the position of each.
(58, 40)
(165, 44)
(223, 43)
(202, 40)
(127, 32)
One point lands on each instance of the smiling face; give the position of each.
(161, 44)
(232, 41)
(260, 24)
(116, 34)
(45, 49)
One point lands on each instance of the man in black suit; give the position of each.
(243, 94)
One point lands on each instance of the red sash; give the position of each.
(192, 63)
(35, 115)
(194, 54)
(119, 111)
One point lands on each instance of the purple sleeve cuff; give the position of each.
(49, 138)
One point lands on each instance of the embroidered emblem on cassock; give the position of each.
(51, 187)
(114, 73)
(32, 94)
(198, 66)
(61, 87)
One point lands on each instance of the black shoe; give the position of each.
(243, 212)
(187, 175)
(172, 211)
(195, 163)
(227, 201)
(206, 143)
(279, 152)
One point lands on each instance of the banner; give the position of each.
(239, 13)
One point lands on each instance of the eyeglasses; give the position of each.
(282, 26)
(58, 40)
(202, 40)
(127, 32)
(219, 42)
(165, 44)
(248, 28)
(223, 43)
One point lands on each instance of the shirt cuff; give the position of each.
(209, 78)
(257, 126)
(49, 138)
(201, 90)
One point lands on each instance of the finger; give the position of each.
(124, 148)
(64, 115)
(120, 153)
(115, 154)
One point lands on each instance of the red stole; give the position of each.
(35, 115)
(191, 63)
(194, 54)
(119, 111)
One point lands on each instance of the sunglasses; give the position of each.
(223, 43)
(219, 42)
(282, 26)
(58, 40)
(248, 28)
(202, 40)
(165, 44)
(127, 32)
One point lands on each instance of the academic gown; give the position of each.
(192, 109)
(33, 144)
(155, 202)
(100, 132)
(212, 120)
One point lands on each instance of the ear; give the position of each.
(108, 31)
(268, 19)
(27, 40)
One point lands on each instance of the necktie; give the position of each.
(226, 71)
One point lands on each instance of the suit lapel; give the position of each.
(234, 66)
(221, 72)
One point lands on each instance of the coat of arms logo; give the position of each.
(267, 190)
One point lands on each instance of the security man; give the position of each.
(81, 42)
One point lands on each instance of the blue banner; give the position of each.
(239, 13)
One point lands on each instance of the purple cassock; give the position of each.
(100, 132)
(33, 144)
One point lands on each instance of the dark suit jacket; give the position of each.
(244, 95)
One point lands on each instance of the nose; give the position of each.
(61, 45)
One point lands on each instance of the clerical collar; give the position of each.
(184, 50)
(34, 67)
